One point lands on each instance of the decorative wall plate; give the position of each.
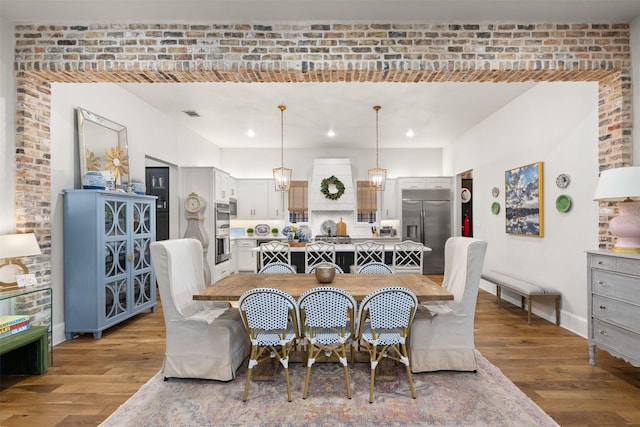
(495, 191)
(563, 203)
(495, 208)
(262, 230)
(328, 225)
(562, 181)
(465, 195)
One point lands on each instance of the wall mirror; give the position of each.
(102, 147)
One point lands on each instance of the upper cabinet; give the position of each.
(221, 181)
(390, 200)
(233, 188)
(422, 183)
(257, 199)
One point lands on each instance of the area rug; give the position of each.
(485, 398)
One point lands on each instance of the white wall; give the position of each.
(252, 163)
(150, 133)
(563, 134)
(7, 115)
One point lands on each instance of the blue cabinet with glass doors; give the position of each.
(107, 263)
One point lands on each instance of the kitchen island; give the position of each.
(344, 255)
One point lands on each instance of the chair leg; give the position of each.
(346, 369)
(286, 379)
(308, 376)
(403, 348)
(373, 376)
(252, 357)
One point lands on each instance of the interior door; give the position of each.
(157, 182)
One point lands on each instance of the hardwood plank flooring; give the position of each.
(90, 379)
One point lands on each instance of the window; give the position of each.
(298, 201)
(367, 202)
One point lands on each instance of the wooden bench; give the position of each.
(527, 290)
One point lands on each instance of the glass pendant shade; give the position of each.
(377, 175)
(282, 175)
(377, 178)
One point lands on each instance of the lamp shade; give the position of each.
(618, 184)
(18, 245)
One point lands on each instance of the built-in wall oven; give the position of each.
(223, 240)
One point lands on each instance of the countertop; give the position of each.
(388, 247)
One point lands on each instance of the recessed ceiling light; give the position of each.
(191, 113)
(410, 133)
(331, 133)
(251, 133)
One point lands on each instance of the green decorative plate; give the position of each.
(495, 208)
(563, 203)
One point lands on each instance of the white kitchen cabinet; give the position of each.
(416, 183)
(390, 200)
(221, 183)
(233, 187)
(233, 262)
(257, 199)
(246, 255)
(437, 182)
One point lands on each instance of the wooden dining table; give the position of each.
(358, 285)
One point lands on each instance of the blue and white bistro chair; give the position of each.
(272, 321)
(384, 319)
(375, 268)
(278, 268)
(326, 319)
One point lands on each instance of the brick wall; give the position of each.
(321, 52)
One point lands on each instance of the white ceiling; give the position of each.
(437, 113)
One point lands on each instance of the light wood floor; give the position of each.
(90, 379)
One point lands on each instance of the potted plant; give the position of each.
(275, 230)
(250, 231)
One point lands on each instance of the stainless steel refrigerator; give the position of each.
(426, 218)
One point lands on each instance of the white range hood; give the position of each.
(325, 168)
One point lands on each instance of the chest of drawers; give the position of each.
(614, 304)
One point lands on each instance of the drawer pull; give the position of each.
(603, 307)
(603, 332)
(600, 262)
(602, 283)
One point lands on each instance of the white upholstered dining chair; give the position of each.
(203, 339)
(441, 336)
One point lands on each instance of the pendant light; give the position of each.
(377, 175)
(282, 175)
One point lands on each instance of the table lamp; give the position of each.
(12, 247)
(622, 185)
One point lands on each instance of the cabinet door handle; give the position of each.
(131, 257)
(603, 307)
(603, 332)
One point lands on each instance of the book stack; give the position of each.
(10, 325)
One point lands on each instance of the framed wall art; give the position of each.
(524, 212)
